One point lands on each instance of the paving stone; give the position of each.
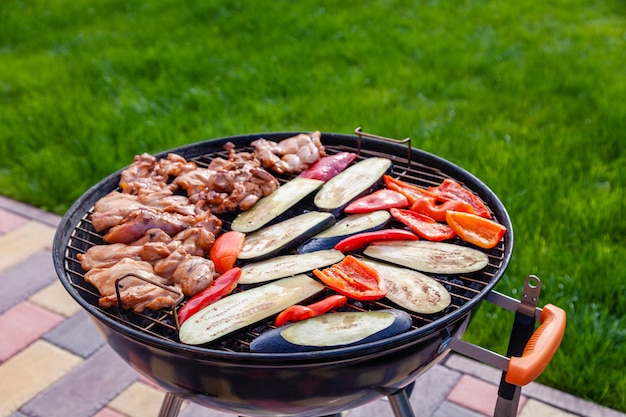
(448, 409)
(19, 244)
(535, 408)
(30, 212)
(469, 366)
(77, 334)
(195, 410)
(10, 221)
(56, 298)
(18, 414)
(31, 371)
(138, 400)
(87, 389)
(26, 278)
(432, 388)
(107, 412)
(23, 324)
(477, 395)
(568, 402)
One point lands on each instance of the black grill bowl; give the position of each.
(302, 384)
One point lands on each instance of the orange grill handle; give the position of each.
(540, 349)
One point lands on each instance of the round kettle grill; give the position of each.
(226, 376)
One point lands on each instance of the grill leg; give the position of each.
(400, 404)
(170, 407)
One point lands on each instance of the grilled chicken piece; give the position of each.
(135, 293)
(148, 173)
(135, 225)
(193, 274)
(291, 155)
(105, 256)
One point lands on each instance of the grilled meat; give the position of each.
(291, 155)
(193, 274)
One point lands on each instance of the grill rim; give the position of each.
(77, 211)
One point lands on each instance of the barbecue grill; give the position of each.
(226, 376)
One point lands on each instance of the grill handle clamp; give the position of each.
(537, 348)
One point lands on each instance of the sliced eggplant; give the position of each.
(333, 330)
(287, 265)
(245, 308)
(355, 223)
(270, 240)
(426, 256)
(411, 289)
(273, 205)
(356, 180)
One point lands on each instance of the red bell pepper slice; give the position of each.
(298, 312)
(426, 227)
(329, 166)
(220, 287)
(353, 279)
(225, 250)
(360, 240)
(383, 199)
(410, 191)
(429, 207)
(449, 189)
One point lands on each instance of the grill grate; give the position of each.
(162, 324)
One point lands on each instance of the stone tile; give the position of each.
(29, 211)
(568, 402)
(56, 298)
(448, 409)
(472, 367)
(535, 408)
(195, 410)
(29, 372)
(26, 278)
(23, 324)
(87, 389)
(432, 388)
(19, 244)
(10, 221)
(18, 414)
(138, 400)
(107, 412)
(77, 334)
(477, 395)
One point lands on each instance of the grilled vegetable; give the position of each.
(449, 189)
(349, 225)
(297, 312)
(287, 265)
(245, 308)
(225, 250)
(425, 256)
(424, 226)
(351, 183)
(360, 240)
(410, 191)
(428, 206)
(221, 287)
(382, 199)
(329, 166)
(270, 240)
(353, 279)
(412, 290)
(273, 205)
(474, 229)
(332, 331)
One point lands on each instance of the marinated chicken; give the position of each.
(291, 155)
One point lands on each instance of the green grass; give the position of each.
(529, 97)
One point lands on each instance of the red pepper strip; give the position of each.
(451, 190)
(411, 192)
(221, 287)
(378, 200)
(329, 166)
(359, 240)
(424, 226)
(429, 207)
(225, 250)
(298, 312)
(353, 279)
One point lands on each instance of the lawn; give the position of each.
(527, 96)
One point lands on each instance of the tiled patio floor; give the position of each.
(53, 363)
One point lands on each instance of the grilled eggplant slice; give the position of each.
(356, 180)
(270, 240)
(333, 330)
(273, 205)
(426, 256)
(411, 289)
(245, 308)
(355, 223)
(287, 265)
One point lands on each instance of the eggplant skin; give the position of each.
(275, 341)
